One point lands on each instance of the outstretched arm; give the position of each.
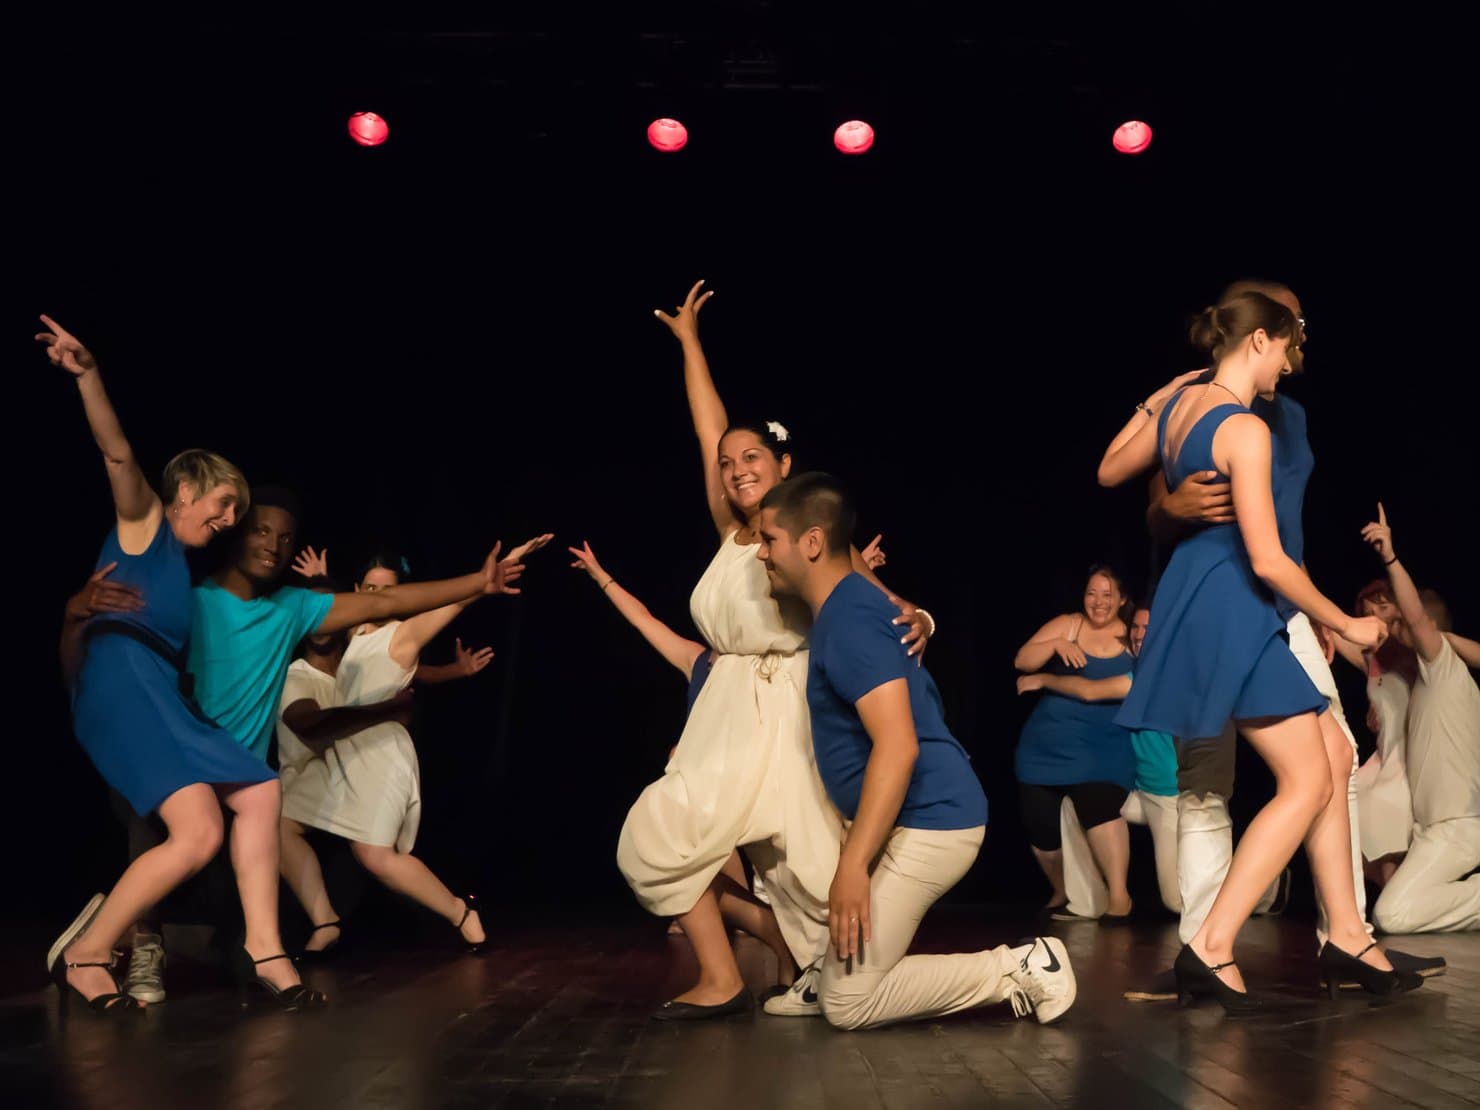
(1074, 686)
(1466, 649)
(678, 650)
(416, 632)
(1426, 635)
(465, 663)
(138, 507)
(318, 727)
(411, 598)
(705, 406)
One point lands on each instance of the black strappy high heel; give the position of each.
(296, 997)
(470, 906)
(1339, 967)
(113, 1004)
(326, 953)
(1195, 978)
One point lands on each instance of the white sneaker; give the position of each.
(1045, 981)
(73, 931)
(800, 999)
(145, 980)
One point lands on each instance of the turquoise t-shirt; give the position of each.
(240, 651)
(1156, 762)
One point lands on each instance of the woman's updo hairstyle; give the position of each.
(387, 560)
(1221, 327)
(772, 433)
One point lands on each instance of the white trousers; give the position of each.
(884, 985)
(1204, 830)
(1083, 883)
(1427, 894)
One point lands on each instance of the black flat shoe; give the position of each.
(111, 1004)
(742, 1003)
(1338, 967)
(326, 953)
(1196, 979)
(1114, 919)
(253, 986)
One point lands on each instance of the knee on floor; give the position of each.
(843, 1009)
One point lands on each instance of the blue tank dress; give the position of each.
(1216, 647)
(143, 736)
(1067, 741)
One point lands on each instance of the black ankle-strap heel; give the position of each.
(113, 1003)
(326, 953)
(1196, 979)
(470, 907)
(1339, 967)
(295, 997)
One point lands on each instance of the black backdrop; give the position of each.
(448, 340)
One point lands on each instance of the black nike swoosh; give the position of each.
(809, 996)
(1053, 961)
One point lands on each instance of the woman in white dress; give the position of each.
(743, 773)
(366, 786)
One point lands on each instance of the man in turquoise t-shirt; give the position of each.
(915, 810)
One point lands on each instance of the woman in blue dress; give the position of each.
(1073, 747)
(142, 732)
(1215, 648)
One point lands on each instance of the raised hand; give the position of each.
(471, 662)
(64, 349)
(873, 554)
(528, 547)
(1380, 536)
(498, 575)
(684, 323)
(311, 563)
(586, 561)
(1071, 653)
(1028, 683)
(98, 595)
(1365, 632)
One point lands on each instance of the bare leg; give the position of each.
(193, 819)
(1053, 870)
(719, 974)
(405, 874)
(256, 810)
(1110, 843)
(300, 869)
(740, 909)
(1328, 846)
(1296, 755)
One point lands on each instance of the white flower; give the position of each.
(778, 429)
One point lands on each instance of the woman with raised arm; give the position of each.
(143, 734)
(1214, 650)
(743, 773)
(365, 785)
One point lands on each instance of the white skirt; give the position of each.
(366, 788)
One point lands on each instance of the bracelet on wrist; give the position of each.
(1142, 406)
(1390, 562)
(929, 620)
(607, 583)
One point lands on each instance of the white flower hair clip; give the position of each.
(778, 429)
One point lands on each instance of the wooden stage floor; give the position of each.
(557, 1017)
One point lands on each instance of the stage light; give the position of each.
(1132, 137)
(368, 129)
(667, 135)
(853, 137)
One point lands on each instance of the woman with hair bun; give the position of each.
(743, 773)
(1215, 648)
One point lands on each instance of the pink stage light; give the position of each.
(1132, 137)
(853, 137)
(667, 135)
(368, 129)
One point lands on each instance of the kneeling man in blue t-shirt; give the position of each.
(916, 813)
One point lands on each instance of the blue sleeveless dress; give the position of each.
(1215, 648)
(142, 735)
(1067, 741)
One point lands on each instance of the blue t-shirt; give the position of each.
(856, 649)
(240, 651)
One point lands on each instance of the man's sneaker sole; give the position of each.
(154, 996)
(73, 931)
